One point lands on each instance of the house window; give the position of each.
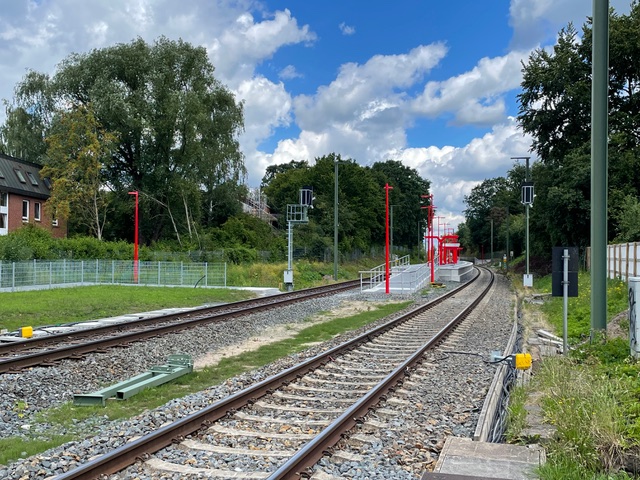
(4, 196)
(20, 175)
(32, 178)
(25, 210)
(1, 174)
(3, 220)
(54, 222)
(47, 182)
(36, 211)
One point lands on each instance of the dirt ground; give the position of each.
(283, 332)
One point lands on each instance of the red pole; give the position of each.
(386, 224)
(135, 241)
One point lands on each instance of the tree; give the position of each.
(176, 125)
(408, 189)
(486, 201)
(24, 131)
(628, 220)
(556, 98)
(555, 108)
(274, 170)
(78, 148)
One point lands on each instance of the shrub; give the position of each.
(27, 243)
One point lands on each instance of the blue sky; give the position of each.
(432, 84)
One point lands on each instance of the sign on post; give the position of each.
(557, 271)
(564, 282)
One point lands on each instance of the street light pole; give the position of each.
(492, 241)
(135, 240)
(386, 223)
(335, 221)
(527, 205)
(391, 248)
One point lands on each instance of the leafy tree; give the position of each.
(628, 220)
(407, 196)
(555, 108)
(176, 125)
(77, 151)
(24, 131)
(556, 98)
(274, 170)
(485, 202)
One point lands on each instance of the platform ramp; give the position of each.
(404, 278)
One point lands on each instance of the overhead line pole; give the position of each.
(599, 166)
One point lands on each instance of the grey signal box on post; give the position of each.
(306, 196)
(527, 193)
(558, 269)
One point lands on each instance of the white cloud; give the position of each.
(366, 92)
(538, 22)
(474, 96)
(454, 171)
(243, 45)
(289, 72)
(266, 106)
(346, 29)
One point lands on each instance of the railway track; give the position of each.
(47, 350)
(280, 427)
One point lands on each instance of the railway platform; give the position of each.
(464, 459)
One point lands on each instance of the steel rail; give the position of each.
(6, 348)
(150, 443)
(77, 350)
(315, 449)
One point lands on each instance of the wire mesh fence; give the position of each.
(49, 274)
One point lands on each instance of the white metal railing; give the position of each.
(50, 274)
(375, 276)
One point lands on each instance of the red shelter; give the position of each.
(450, 248)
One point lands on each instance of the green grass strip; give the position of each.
(64, 305)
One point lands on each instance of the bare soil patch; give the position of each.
(283, 332)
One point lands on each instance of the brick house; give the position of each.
(23, 194)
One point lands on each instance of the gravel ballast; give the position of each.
(23, 394)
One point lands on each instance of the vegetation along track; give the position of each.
(283, 425)
(47, 349)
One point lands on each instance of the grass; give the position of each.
(579, 308)
(305, 273)
(592, 395)
(64, 305)
(68, 415)
(517, 414)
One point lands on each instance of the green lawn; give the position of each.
(64, 305)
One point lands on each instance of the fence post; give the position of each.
(225, 274)
(81, 272)
(620, 260)
(13, 277)
(626, 270)
(158, 272)
(97, 270)
(113, 272)
(206, 274)
(50, 274)
(64, 271)
(182, 274)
